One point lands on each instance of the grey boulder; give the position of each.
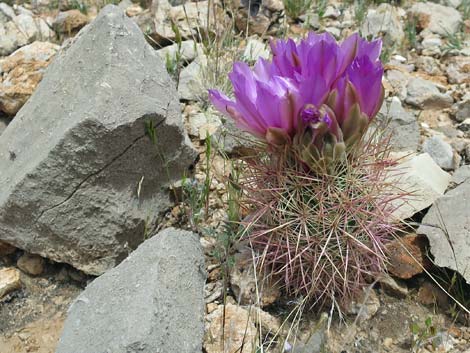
(151, 302)
(447, 226)
(80, 180)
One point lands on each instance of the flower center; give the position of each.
(312, 115)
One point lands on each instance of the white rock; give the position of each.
(191, 83)
(423, 179)
(399, 58)
(201, 124)
(331, 12)
(384, 20)
(431, 42)
(9, 280)
(436, 18)
(255, 49)
(189, 51)
(336, 32)
(6, 11)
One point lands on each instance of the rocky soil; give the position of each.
(95, 158)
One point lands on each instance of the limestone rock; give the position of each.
(191, 18)
(31, 264)
(436, 18)
(9, 280)
(191, 82)
(156, 23)
(423, 179)
(188, 51)
(440, 151)
(402, 125)
(6, 12)
(255, 49)
(80, 179)
(21, 30)
(446, 226)
(384, 21)
(239, 333)
(22, 72)
(458, 69)
(398, 80)
(425, 94)
(69, 22)
(203, 124)
(152, 302)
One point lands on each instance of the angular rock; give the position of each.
(422, 178)
(236, 334)
(402, 125)
(447, 225)
(151, 302)
(461, 175)
(425, 94)
(407, 256)
(22, 72)
(31, 264)
(440, 151)
(191, 82)
(156, 23)
(9, 280)
(80, 180)
(436, 18)
(385, 22)
(21, 30)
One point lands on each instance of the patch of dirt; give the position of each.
(32, 317)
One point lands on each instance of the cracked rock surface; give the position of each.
(80, 181)
(447, 226)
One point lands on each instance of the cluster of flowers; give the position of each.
(317, 95)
